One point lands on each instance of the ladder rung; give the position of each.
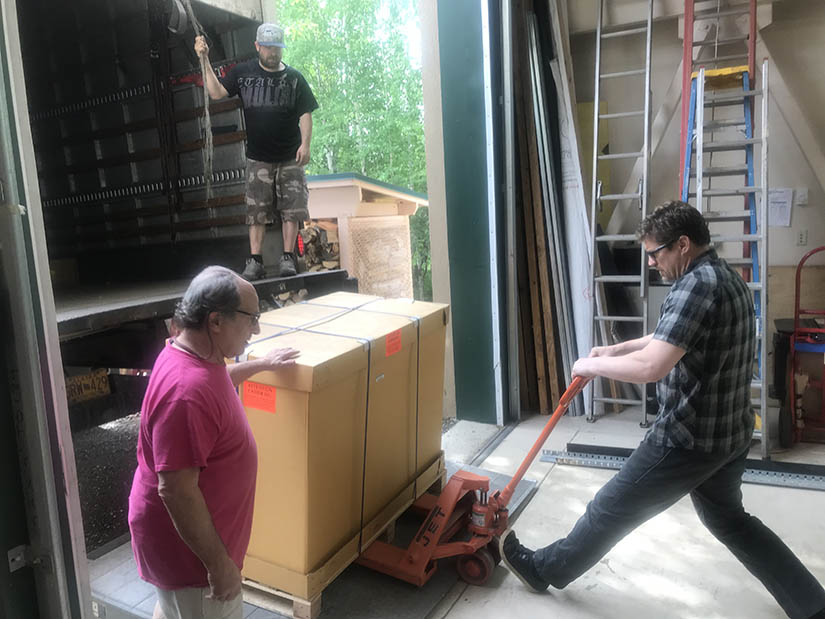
(617, 237)
(718, 216)
(756, 384)
(740, 262)
(725, 145)
(623, 33)
(721, 124)
(608, 76)
(718, 193)
(622, 114)
(622, 155)
(620, 196)
(735, 96)
(704, 15)
(719, 42)
(727, 216)
(722, 171)
(756, 402)
(618, 279)
(718, 59)
(620, 318)
(754, 285)
(735, 238)
(617, 401)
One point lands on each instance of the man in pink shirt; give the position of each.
(190, 509)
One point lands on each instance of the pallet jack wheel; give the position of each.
(476, 568)
(495, 550)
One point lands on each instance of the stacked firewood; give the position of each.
(321, 248)
(284, 299)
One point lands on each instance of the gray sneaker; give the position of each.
(287, 265)
(253, 270)
(519, 559)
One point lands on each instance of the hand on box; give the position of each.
(281, 357)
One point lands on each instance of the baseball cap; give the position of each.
(270, 35)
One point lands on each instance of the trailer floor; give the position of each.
(85, 309)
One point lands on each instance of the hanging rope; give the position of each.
(207, 119)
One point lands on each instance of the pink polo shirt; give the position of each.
(191, 417)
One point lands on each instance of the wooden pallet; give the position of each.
(275, 587)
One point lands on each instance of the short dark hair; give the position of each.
(672, 220)
(215, 289)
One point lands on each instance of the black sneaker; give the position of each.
(253, 270)
(519, 560)
(287, 265)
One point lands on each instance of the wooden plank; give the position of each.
(530, 230)
(539, 228)
(527, 348)
(301, 608)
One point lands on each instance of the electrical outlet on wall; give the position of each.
(802, 237)
(801, 196)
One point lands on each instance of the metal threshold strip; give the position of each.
(784, 475)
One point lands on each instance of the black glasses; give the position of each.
(255, 317)
(652, 253)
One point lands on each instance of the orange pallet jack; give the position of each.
(462, 507)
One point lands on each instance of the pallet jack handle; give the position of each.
(572, 391)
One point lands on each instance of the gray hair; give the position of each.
(215, 289)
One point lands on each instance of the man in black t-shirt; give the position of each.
(278, 105)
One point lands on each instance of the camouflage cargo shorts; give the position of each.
(272, 187)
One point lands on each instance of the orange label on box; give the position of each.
(258, 396)
(393, 342)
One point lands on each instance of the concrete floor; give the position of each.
(669, 567)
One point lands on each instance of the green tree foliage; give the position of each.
(355, 56)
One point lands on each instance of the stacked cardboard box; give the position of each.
(346, 436)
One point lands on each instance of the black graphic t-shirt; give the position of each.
(272, 104)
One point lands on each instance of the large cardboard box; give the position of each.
(430, 320)
(344, 435)
(309, 424)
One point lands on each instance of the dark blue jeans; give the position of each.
(653, 479)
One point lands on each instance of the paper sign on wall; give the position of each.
(779, 207)
(393, 342)
(258, 396)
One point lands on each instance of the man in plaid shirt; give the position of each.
(701, 356)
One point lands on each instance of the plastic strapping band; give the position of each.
(417, 321)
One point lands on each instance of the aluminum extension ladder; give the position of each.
(715, 93)
(604, 322)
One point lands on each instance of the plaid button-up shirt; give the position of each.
(704, 402)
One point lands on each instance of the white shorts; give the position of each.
(192, 603)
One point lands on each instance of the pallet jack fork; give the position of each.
(463, 507)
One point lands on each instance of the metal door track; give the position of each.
(751, 476)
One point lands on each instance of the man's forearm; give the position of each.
(625, 348)
(305, 123)
(215, 88)
(239, 372)
(194, 524)
(629, 368)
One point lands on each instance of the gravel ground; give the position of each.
(106, 458)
